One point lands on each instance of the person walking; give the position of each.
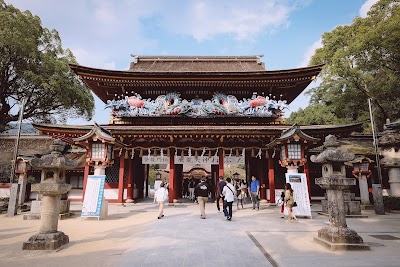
(160, 196)
(229, 195)
(220, 186)
(282, 200)
(191, 185)
(289, 202)
(254, 192)
(239, 193)
(201, 192)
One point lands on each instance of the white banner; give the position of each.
(94, 193)
(298, 181)
(233, 160)
(155, 160)
(192, 160)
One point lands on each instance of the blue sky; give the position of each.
(104, 33)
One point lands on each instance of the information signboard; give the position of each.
(93, 196)
(298, 181)
(192, 160)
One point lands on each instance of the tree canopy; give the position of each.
(362, 61)
(34, 66)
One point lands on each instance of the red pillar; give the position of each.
(85, 178)
(121, 178)
(171, 175)
(221, 162)
(271, 178)
(215, 177)
(307, 172)
(261, 174)
(129, 194)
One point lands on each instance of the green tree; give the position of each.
(33, 65)
(362, 61)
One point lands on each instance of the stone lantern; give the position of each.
(336, 236)
(51, 187)
(390, 145)
(362, 171)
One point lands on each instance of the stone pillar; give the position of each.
(390, 145)
(13, 200)
(292, 169)
(378, 199)
(22, 181)
(394, 181)
(336, 236)
(99, 170)
(363, 184)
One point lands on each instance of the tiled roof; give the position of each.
(196, 64)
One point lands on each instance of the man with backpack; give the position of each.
(201, 192)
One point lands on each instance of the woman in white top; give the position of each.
(228, 192)
(160, 196)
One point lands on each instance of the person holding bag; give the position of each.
(289, 202)
(160, 196)
(229, 197)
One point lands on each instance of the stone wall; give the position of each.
(28, 145)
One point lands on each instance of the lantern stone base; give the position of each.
(367, 207)
(49, 241)
(340, 238)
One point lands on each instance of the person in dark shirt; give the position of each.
(220, 186)
(191, 185)
(201, 192)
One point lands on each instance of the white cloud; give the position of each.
(366, 7)
(310, 52)
(99, 31)
(206, 19)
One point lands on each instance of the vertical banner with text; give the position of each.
(93, 196)
(298, 181)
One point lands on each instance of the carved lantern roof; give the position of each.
(54, 160)
(294, 133)
(332, 153)
(98, 133)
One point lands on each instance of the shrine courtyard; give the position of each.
(133, 236)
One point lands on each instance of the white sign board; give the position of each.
(94, 193)
(298, 181)
(192, 160)
(155, 160)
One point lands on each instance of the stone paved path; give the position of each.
(133, 236)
